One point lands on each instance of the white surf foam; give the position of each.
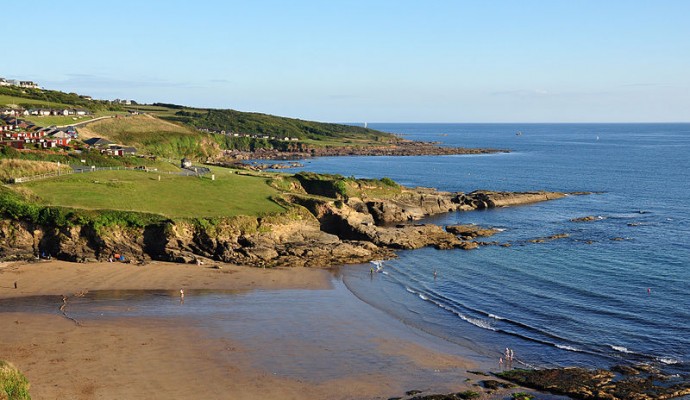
(621, 349)
(566, 347)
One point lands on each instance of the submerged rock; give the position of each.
(471, 231)
(585, 219)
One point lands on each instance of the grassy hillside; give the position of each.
(173, 131)
(7, 100)
(28, 98)
(270, 125)
(173, 196)
(58, 120)
(90, 158)
(13, 168)
(154, 136)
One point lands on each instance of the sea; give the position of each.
(616, 290)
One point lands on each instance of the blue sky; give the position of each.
(375, 61)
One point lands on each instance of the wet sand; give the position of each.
(331, 347)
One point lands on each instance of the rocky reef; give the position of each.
(619, 383)
(321, 228)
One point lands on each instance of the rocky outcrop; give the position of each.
(471, 231)
(482, 199)
(587, 384)
(316, 232)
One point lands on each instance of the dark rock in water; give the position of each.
(470, 231)
(493, 384)
(413, 392)
(450, 396)
(625, 370)
(618, 239)
(587, 384)
(585, 219)
(549, 238)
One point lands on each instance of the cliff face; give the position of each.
(332, 232)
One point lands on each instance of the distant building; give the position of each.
(98, 142)
(29, 85)
(61, 138)
(186, 163)
(117, 150)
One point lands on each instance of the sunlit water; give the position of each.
(617, 289)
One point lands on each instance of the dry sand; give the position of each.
(163, 358)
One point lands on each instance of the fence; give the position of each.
(193, 171)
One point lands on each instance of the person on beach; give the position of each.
(500, 362)
(512, 354)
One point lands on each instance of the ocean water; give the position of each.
(616, 290)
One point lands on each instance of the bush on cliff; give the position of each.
(13, 384)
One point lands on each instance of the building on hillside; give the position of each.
(186, 163)
(72, 132)
(4, 82)
(29, 85)
(97, 142)
(60, 138)
(117, 150)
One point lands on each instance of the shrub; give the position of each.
(389, 182)
(13, 384)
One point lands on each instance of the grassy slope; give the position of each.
(264, 124)
(11, 100)
(49, 98)
(173, 196)
(12, 168)
(152, 135)
(90, 158)
(68, 120)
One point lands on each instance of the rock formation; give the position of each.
(315, 232)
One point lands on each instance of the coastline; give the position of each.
(127, 357)
(400, 148)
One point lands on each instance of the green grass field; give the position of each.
(173, 196)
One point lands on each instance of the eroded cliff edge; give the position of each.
(322, 226)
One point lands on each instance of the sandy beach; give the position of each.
(177, 358)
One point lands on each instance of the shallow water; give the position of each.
(316, 336)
